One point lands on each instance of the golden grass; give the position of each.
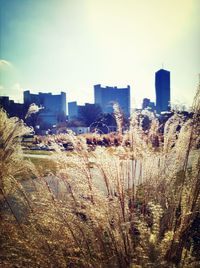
(143, 212)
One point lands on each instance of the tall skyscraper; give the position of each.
(162, 85)
(105, 97)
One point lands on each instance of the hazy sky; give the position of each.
(70, 45)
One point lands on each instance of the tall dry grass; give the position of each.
(111, 207)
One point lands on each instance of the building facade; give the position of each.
(72, 110)
(54, 107)
(12, 108)
(105, 97)
(162, 86)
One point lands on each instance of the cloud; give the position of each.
(5, 63)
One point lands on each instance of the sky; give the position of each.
(71, 45)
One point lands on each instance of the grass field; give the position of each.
(54, 214)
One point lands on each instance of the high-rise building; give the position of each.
(54, 106)
(105, 97)
(162, 85)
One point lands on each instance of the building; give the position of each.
(72, 110)
(162, 86)
(148, 104)
(54, 107)
(105, 97)
(12, 108)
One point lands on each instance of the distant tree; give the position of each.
(89, 113)
(108, 119)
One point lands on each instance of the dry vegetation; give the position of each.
(128, 207)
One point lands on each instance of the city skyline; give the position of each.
(53, 46)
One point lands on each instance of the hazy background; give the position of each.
(70, 45)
